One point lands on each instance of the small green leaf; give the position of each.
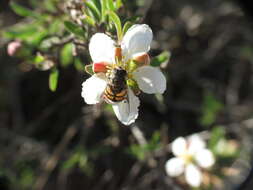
(161, 58)
(39, 58)
(134, 19)
(110, 5)
(78, 64)
(54, 26)
(89, 70)
(126, 26)
(217, 134)
(21, 33)
(98, 5)
(49, 42)
(53, 79)
(89, 20)
(118, 4)
(93, 9)
(50, 6)
(103, 9)
(116, 20)
(74, 28)
(66, 56)
(210, 109)
(23, 11)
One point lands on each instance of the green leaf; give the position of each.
(50, 6)
(110, 5)
(134, 19)
(74, 28)
(164, 57)
(89, 20)
(103, 9)
(49, 42)
(137, 151)
(118, 4)
(39, 58)
(94, 10)
(98, 5)
(21, 33)
(217, 134)
(54, 26)
(78, 64)
(126, 26)
(210, 109)
(53, 79)
(89, 70)
(23, 11)
(66, 56)
(116, 20)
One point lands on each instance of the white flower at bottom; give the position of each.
(133, 49)
(190, 154)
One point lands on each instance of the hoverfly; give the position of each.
(116, 89)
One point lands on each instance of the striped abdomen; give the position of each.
(115, 95)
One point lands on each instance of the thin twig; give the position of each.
(137, 133)
(53, 160)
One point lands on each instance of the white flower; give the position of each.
(133, 47)
(191, 154)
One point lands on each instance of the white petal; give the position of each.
(101, 48)
(136, 40)
(127, 111)
(150, 79)
(179, 146)
(193, 175)
(196, 143)
(174, 167)
(92, 89)
(204, 158)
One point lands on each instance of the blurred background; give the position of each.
(53, 140)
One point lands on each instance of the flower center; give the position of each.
(188, 158)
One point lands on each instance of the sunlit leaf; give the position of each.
(53, 79)
(110, 5)
(93, 9)
(39, 58)
(118, 4)
(116, 20)
(98, 5)
(126, 26)
(164, 57)
(103, 9)
(89, 20)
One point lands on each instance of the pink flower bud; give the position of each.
(100, 67)
(118, 53)
(13, 47)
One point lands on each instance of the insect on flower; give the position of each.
(122, 70)
(116, 89)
